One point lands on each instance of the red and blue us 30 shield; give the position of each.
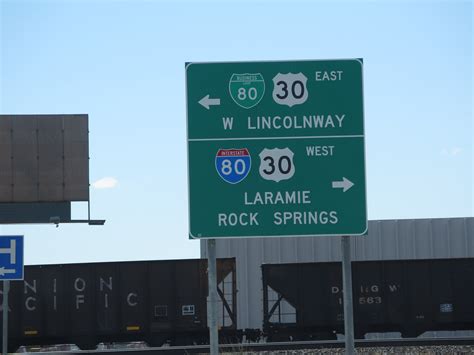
(233, 165)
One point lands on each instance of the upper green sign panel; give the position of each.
(276, 149)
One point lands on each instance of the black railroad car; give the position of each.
(85, 304)
(304, 301)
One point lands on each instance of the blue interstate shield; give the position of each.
(233, 165)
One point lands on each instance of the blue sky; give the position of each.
(122, 62)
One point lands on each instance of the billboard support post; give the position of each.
(347, 291)
(212, 298)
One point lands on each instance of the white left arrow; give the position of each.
(345, 184)
(4, 271)
(206, 101)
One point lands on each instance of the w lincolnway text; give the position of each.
(288, 122)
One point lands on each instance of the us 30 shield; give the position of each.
(233, 165)
(247, 89)
(290, 89)
(276, 164)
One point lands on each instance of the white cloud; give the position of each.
(105, 183)
(451, 152)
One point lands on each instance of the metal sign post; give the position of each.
(347, 292)
(212, 298)
(6, 289)
(11, 268)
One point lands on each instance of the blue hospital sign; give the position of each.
(11, 257)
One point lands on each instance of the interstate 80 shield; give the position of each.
(233, 165)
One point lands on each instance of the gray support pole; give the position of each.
(212, 299)
(347, 291)
(6, 289)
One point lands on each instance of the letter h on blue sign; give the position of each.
(11, 257)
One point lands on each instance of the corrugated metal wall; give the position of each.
(386, 239)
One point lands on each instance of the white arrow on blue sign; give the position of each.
(11, 257)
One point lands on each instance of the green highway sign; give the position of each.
(276, 149)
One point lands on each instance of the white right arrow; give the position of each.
(206, 101)
(4, 271)
(345, 184)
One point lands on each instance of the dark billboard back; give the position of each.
(44, 158)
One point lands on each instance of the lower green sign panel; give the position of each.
(277, 187)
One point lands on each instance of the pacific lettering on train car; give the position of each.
(79, 285)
